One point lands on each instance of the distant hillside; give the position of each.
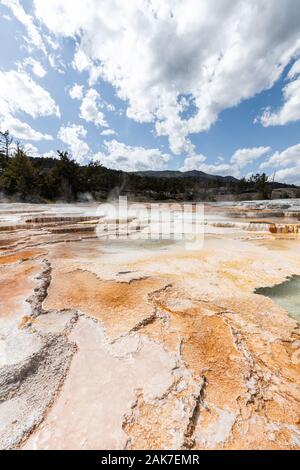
(24, 178)
(185, 174)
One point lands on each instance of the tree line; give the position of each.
(50, 179)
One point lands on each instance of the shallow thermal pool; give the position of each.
(286, 294)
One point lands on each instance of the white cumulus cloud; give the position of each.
(18, 92)
(289, 156)
(50, 154)
(74, 137)
(76, 92)
(89, 109)
(197, 162)
(20, 129)
(285, 165)
(244, 157)
(289, 175)
(108, 132)
(295, 70)
(194, 162)
(155, 52)
(35, 66)
(118, 155)
(31, 150)
(81, 61)
(240, 159)
(34, 36)
(290, 110)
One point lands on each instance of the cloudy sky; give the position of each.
(212, 85)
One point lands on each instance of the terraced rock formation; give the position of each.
(113, 344)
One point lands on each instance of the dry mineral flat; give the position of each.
(145, 344)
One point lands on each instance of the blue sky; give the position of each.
(173, 84)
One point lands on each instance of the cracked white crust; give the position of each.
(161, 349)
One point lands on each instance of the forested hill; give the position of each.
(24, 178)
(187, 174)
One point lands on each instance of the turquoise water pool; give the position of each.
(286, 294)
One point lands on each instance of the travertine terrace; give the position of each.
(111, 344)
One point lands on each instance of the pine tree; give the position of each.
(5, 144)
(19, 175)
(67, 173)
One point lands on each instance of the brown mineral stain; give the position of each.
(258, 312)
(208, 346)
(16, 285)
(261, 434)
(209, 350)
(119, 306)
(151, 431)
(157, 331)
(19, 256)
(71, 251)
